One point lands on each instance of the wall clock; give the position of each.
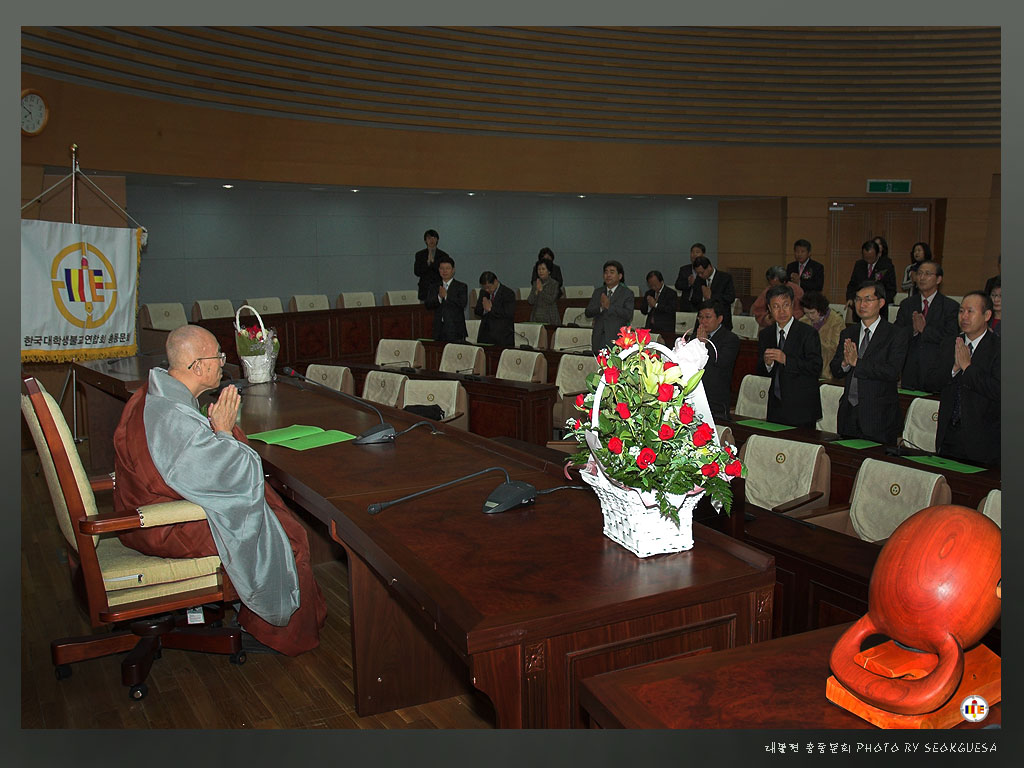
(34, 112)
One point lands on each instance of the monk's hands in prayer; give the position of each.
(850, 353)
(961, 356)
(918, 320)
(224, 412)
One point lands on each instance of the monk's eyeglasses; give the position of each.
(222, 357)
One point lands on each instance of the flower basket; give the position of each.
(257, 349)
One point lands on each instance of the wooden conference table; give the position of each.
(775, 685)
(520, 605)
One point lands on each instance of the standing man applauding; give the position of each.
(790, 354)
(448, 299)
(611, 306)
(496, 309)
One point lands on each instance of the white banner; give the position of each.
(79, 291)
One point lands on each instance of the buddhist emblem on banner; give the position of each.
(84, 285)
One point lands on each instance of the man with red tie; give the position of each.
(930, 317)
(872, 266)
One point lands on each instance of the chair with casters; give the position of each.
(449, 395)
(400, 353)
(308, 302)
(830, 396)
(355, 300)
(384, 387)
(786, 476)
(337, 377)
(534, 335)
(138, 599)
(268, 305)
(571, 380)
(206, 309)
(571, 339)
(752, 399)
(921, 424)
(463, 358)
(522, 365)
(884, 495)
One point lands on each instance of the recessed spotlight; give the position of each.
(689, 198)
(471, 193)
(353, 190)
(228, 186)
(581, 196)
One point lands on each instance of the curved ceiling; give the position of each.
(847, 86)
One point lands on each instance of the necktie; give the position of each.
(956, 388)
(871, 268)
(924, 308)
(851, 396)
(776, 370)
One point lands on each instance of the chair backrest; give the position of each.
(752, 400)
(579, 291)
(885, 494)
(394, 298)
(921, 423)
(737, 307)
(450, 395)
(162, 317)
(472, 331)
(571, 376)
(463, 358)
(384, 387)
(401, 352)
(992, 506)
(308, 302)
(575, 339)
(830, 397)
(268, 305)
(206, 309)
(474, 294)
(898, 298)
(522, 365)
(957, 299)
(842, 309)
(892, 310)
(780, 470)
(639, 319)
(534, 334)
(337, 377)
(523, 293)
(577, 316)
(745, 327)
(350, 299)
(685, 321)
(635, 289)
(725, 435)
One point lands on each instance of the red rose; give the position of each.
(626, 337)
(703, 435)
(685, 414)
(709, 470)
(602, 358)
(611, 375)
(577, 425)
(615, 445)
(669, 364)
(666, 432)
(643, 336)
(580, 398)
(665, 392)
(733, 469)
(623, 410)
(646, 458)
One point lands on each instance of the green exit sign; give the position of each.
(890, 186)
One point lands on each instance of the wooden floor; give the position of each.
(190, 690)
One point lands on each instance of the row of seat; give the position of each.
(919, 425)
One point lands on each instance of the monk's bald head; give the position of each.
(188, 343)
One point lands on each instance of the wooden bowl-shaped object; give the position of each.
(933, 589)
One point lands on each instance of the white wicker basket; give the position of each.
(633, 519)
(259, 369)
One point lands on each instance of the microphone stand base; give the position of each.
(382, 433)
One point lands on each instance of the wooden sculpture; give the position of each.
(933, 592)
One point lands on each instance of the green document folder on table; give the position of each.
(855, 443)
(943, 463)
(299, 437)
(914, 392)
(770, 426)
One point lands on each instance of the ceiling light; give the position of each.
(471, 193)
(353, 190)
(689, 198)
(580, 196)
(228, 186)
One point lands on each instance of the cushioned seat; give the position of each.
(394, 298)
(571, 380)
(449, 395)
(921, 424)
(267, 305)
(401, 352)
(830, 396)
(534, 335)
(781, 472)
(207, 309)
(355, 299)
(571, 339)
(308, 302)
(522, 365)
(337, 377)
(384, 387)
(752, 400)
(463, 358)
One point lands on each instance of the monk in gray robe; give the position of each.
(166, 449)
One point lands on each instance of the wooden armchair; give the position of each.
(142, 599)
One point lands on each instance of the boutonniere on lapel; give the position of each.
(808, 272)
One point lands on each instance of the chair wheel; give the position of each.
(237, 658)
(62, 671)
(138, 692)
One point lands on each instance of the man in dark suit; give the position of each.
(611, 306)
(723, 348)
(805, 271)
(930, 318)
(967, 374)
(872, 266)
(425, 264)
(712, 284)
(790, 353)
(448, 299)
(496, 309)
(659, 304)
(870, 358)
(686, 278)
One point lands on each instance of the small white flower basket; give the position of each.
(258, 369)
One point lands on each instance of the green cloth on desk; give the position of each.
(856, 443)
(770, 426)
(914, 392)
(943, 463)
(299, 437)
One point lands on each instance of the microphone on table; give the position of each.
(406, 366)
(523, 336)
(574, 349)
(468, 375)
(382, 433)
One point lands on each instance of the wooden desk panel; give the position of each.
(775, 685)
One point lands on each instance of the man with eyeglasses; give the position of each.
(869, 359)
(789, 353)
(930, 318)
(165, 449)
